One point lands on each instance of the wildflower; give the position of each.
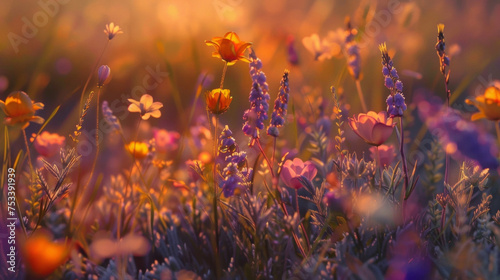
(103, 75)
(235, 179)
(110, 119)
(462, 138)
(488, 104)
(48, 144)
(138, 149)
(166, 141)
(444, 60)
(112, 30)
(293, 170)
(386, 153)
(280, 107)
(227, 142)
(321, 50)
(373, 128)
(352, 51)
(43, 256)
(395, 102)
(230, 48)
(20, 109)
(145, 107)
(255, 116)
(218, 100)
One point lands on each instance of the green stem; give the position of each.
(379, 167)
(215, 208)
(91, 74)
(405, 170)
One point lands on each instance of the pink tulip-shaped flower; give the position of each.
(49, 144)
(373, 128)
(292, 170)
(386, 154)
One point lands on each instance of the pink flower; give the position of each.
(386, 154)
(49, 144)
(292, 170)
(166, 141)
(373, 128)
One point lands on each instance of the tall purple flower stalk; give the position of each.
(280, 107)
(395, 108)
(255, 116)
(396, 101)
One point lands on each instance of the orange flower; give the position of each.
(20, 109)
(218, 100)
(138, 149)
(488, 104)
(230, 48)
(373, 128)
(42, 256)
(48, 144)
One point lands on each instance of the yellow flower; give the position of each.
(20, 109)
(230, 48)
(112, 30)
(488, 104)
(138, 149)
(146, 107)
(218, 100)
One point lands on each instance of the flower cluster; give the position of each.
(255, 116)
(280, 107)
(396, 101)
(236, 174)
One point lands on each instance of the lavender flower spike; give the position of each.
(396, 101)
(255, 116)
(280, 107)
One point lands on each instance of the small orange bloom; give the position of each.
(20, 109)
(112, 30)
(218, 100)
(43, 256)
(488, 105)
(138, 149)
(230, 48)
(373, 128)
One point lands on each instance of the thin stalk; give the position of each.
(405, 170)
(297, 202)
(215, 208)
(29, 155)
(379, 167)
(361, 97)
(274, 152)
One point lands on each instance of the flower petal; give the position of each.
(147, 100)
(134, 108)
(155, 114)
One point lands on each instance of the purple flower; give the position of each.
(395, 102)
(103, 75)
(280, 107)
(255, 116)
(235, 178)
(293, 170)
(227, 142)
(463, 138)
(110, 119)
